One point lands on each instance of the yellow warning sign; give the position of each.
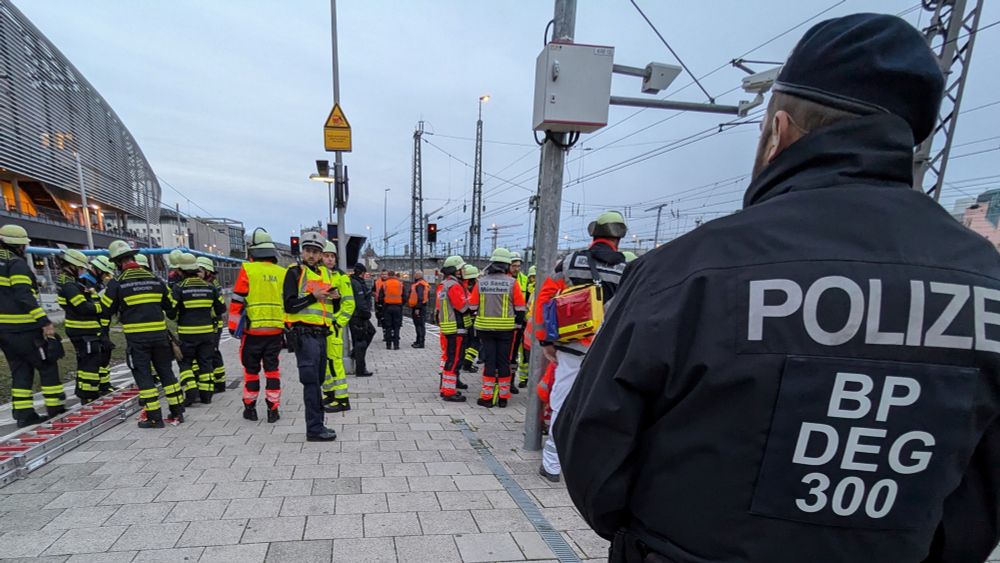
(337, 131)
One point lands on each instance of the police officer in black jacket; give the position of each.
(360, 324)
(817, 377)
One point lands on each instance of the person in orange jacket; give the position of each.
(390, 297)
(498, 301)
(420, 292)
(604, 259)
(452, 307)
(257, 318)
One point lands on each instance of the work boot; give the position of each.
(514, 391)
(552, 478)
(395, 345)
(502, 403)
(104, 389)
(191, 396)
(341, 405)
(364, 374)
(388, 345)
(272, 412)
(456, 398)
(220, 386)
(250, 411)
(53, 412)
(327, 435)
(417, 345)
(153, 420)
(206, 397)
(32, 419)
(460, 385)
(484, 403)
(176, 415)
(522, 384)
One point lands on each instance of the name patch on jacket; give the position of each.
(495, 286)
(832, 312)
(864, 444)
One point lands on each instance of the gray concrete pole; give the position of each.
(550, 187)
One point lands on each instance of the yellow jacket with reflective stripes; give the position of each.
(343, 308)
(19, 307)
(82, 307)
(140, 300)
(196, 306)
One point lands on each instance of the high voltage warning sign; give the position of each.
(337, 131)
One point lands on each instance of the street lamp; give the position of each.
(324, 176)
(482, 100)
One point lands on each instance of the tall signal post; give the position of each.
(417, 202)
(952, 35)
(476, 227)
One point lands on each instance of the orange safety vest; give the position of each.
(412, 302)
(392, 291)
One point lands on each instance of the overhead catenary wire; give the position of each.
(672, 52)
(505, 184)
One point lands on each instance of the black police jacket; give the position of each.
(362, 298)
(814, 378)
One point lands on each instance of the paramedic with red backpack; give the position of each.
(602, 260)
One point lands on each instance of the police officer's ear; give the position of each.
(783, 133)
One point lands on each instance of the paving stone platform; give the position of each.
(401, 483)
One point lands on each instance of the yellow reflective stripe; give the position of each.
(76, 300)
(36, 313)
(495, 324)
(198, 304)
(82, 324)
(144, 327)
(20, 279)
(16, 319)
(143, 298)
(200, 329)
(61, 301)
(105, 300)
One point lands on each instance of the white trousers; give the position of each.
(566, 372)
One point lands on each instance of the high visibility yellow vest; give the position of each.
(316, 313)
(447, 315)
(264, 304)
(343, 311)
(496, 302)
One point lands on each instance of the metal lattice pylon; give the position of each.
(476, 227)
(417, 202)
(952, 35)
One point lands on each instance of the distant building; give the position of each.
(50, 116)
(959, 207)
(983, 216)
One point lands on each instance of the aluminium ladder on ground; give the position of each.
(33, 448)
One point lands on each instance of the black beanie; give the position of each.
(867, 64)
